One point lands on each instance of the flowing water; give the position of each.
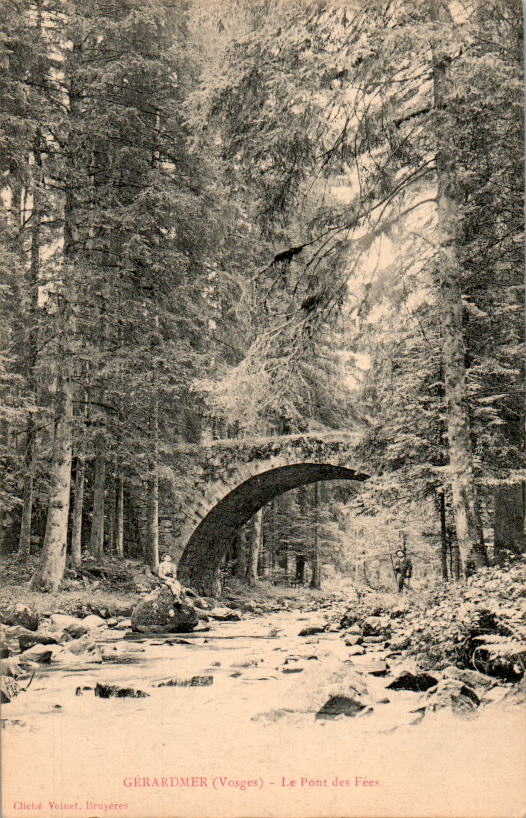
(249, 743)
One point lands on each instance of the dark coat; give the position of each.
(403, 566)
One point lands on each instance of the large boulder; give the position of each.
(453, 694)
(370, 664)
(353, 639)
(356, 650)
(9, 688)
(341, 706)
(348, 619)
(92, 621)
(27, 641)
(401, 642)
(417, 682)
(62, 622)
(319, 683)
(377, 626)
(353, 630)
(11, 667)
(39, 653)
(224, 614)
(19, 614)
(312, 630)
(163, 612)
(472, 678)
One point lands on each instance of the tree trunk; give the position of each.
(99, 484)
(151, 554)
(255, 546)
(266, 555)
(207, 583)
(241, 554)
(508, 520)
(454, 557)
(316, 567)
(119, 517)
(444, 545)
(216, 583)
(112, 498)
(31, 340)
(3, 527)
(464, 492)
(24, 542)
(50, 571)
(78, 508)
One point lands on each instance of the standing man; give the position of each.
(403, 569)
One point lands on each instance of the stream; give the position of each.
(246, 742)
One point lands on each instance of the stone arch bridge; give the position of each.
(230, 480)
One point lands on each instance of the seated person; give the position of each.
(167, 572)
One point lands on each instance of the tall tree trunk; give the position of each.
(444, 545)
(99, 486)
(266, 554)
(255, 547)
(241, 554)
(454, 557)
(119, 517)
(78, 508)
(78, 500)
(151, 555)
(464, 492)
(152, 501)
(112, 498)
(3, 528)
(24, 542)
(508, 520)
(50, 571)
(316, 566)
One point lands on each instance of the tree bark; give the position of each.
(316, 566)
(50, 571)
(112, 499)
(119, 517)
(456, 567)
(508, 520)
(99, 485)
(255, 547)
(444, 545)
(241, 554)
(464, 491)
(151, 555)
(78, 508)
(24, 542)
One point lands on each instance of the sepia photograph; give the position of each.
(262, 409)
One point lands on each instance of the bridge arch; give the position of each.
(224, 510)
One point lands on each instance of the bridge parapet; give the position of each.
(315, 447)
